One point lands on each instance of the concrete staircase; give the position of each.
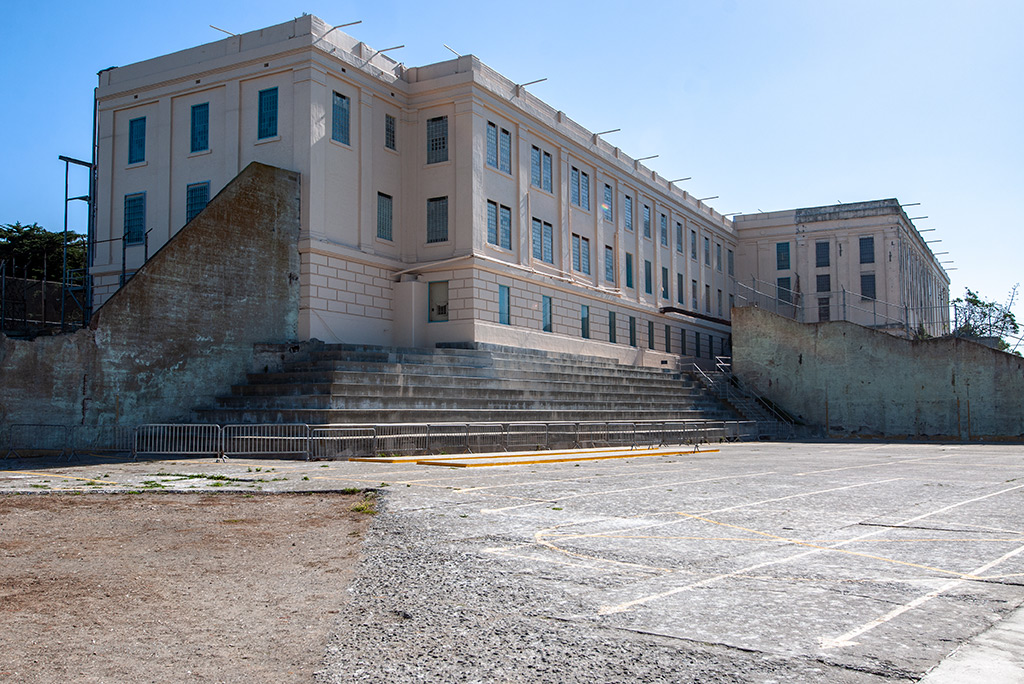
(363, 384)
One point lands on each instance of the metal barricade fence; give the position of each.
(485, 437)
(37, 437)
(621, 434)
(345, 441)
(443, 438)
(592, 434)
(520, 436)
(279, 439)
(402, 438)
(90, 439)
(177, 439)
(563, 435)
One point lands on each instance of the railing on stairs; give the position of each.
(721, 382)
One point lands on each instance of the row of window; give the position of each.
(822, 253)
(197, 196)
(823, 283)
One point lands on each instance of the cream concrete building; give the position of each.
(441, 203)
(863, 262)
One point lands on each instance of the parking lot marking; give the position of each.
(64, 477)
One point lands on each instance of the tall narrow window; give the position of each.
(581, 254)
(606, 206)
(492, 222)
(437, 139)
(135, 218)
(585, 321)
(267, 117)
(340, 119)
(824, 310)
(611, 327)
(629, 270)
(867, 285)
(492, 144)
(668, 339)
(574, 186)
(505, 227)
(385, 216)
(505, 151)
(783, 292)
(707, 298)
(682, 341)
(821, 254)
(535, 172)
(609, 264)
(664, 282)
(679, 238)
(437, 219)
(782, 256)
(650, 334)
(197, 196)
(647, 221)
(541, 239)
(731, 263)
(867, 250)
(632, 331)
(504, 316)
(545, 313)
(627, 205)
(707, 251)
(720, 304)
(664, 230)
(693, 244)
(584, 190)
(718, 256)
(200, 130)
(696, 344)
(823, 282)
(390, 135)
(547, 172)
(693, 296)
(680, 292)
(648, 277)
(137, 140)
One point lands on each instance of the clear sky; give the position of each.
(767, 104)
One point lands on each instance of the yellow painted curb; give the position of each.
(459, 464)
(493, 454)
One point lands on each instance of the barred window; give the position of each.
(679, 237)
(135, 218)
(650, 334)
(783, 292)
(584, 190)
(535, 172)
(503, 305)
(137, 140)
(680, 295)
(197, 196)
(200, 130)
(718, 256)
(611, 327)
(648, 277)
(547, 172)
(732, 263)
(628, 206)
(664, 230)
(385, 214)
(389, 132)
(542, 239)
(437, 219)
(505, 227)
(867, 250)
(340, 119)
(693, 244)
(505, 151)
(867, 285)
(607, 206)
(267, 121)
(821, 254)
(581, 254)
(632, 331)
(823, 283)
(609, 264)
(585, 321)
(492, 222)
(492, 145)
(647, 221)
(664, 282)
(437, 140)
(574, 186)
(545, 313)
(782, 256)
(629, 270)
(707, 251)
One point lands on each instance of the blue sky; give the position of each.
(768, 105)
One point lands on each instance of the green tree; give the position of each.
(38, 250)
(976, 317)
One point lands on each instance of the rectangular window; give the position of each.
(707, 298)
(503, 308)
(693, 245)
(437, 219)
(545, 313)
(867, 285)
(609, 264)
(718, 256)
(824, 283)
(505, 227)
(732, 303)
(505, 151)
(581, 254)
(627, 203)
(707, 251)
(390, 141)
(197, 196)
(579, 188)
(492, 222)
(267, 116)
(606, 206)
(824, 309)
(693, 295)
(782, 256)
(542, 238)
(668, 340)
(535, 173)
(135, 218)
(720, 304)
(547, 172)
(680, 296)
(437, 301)
(783, 291)
(696, 344)
(340, 108)
(200, 131)
(629, 270)
(647, 221)
(731, 262)
(585, 321)
(648, 277)
(632, 331)
(437, 139)
(584, 190)
(611, 327)
(650, 334)
(492, 144)
(679, 238)
(385, 216)
(867, 250)
(664, 230)
(137, 140)
(664, 282)
(821, 254)
(682, 342)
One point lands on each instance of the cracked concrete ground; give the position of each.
(764, 562)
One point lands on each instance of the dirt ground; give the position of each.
(168, 587)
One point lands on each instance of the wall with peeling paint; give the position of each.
(182, 329)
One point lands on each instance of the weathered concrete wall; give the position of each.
(183, 328)
(859, 381)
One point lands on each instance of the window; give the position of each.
(437, 301)
(720, 303)
(137, 140)
(545, 313)
(782, 256)
(499, 148)
(540, 169)
(731, 263)
(782, 290)
(693, 245)
(197, 196)
(580, 254)
(732, 303)
(664, 282)
(650, 334)
(632, 331)
(437, 139)
(648, 278)
(693, 295)
(680, 297)
(707, 251)
(200, 132)
(668, 340)
(628, 205)
(535, 173)
(629, 270)
(664, 230)
(696, 344)
(821, 255)
(340, 119)
(824, 282)
(499, 225)
(547, 172)
(606, 207)
(682, 342)
(611, 327)
(385, 216)
(267, 121)
(585, 321)
(707, 298)
(867, 285)
(579, 188)
(718, 256)
(389, 132)
(543, 241)
(867, 250)
(135, 218)
(609, 264)
(437, 219)
(647, 221)
(679, 238)
(824, 309)
(503, 309)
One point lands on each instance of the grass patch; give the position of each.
(368, 505)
